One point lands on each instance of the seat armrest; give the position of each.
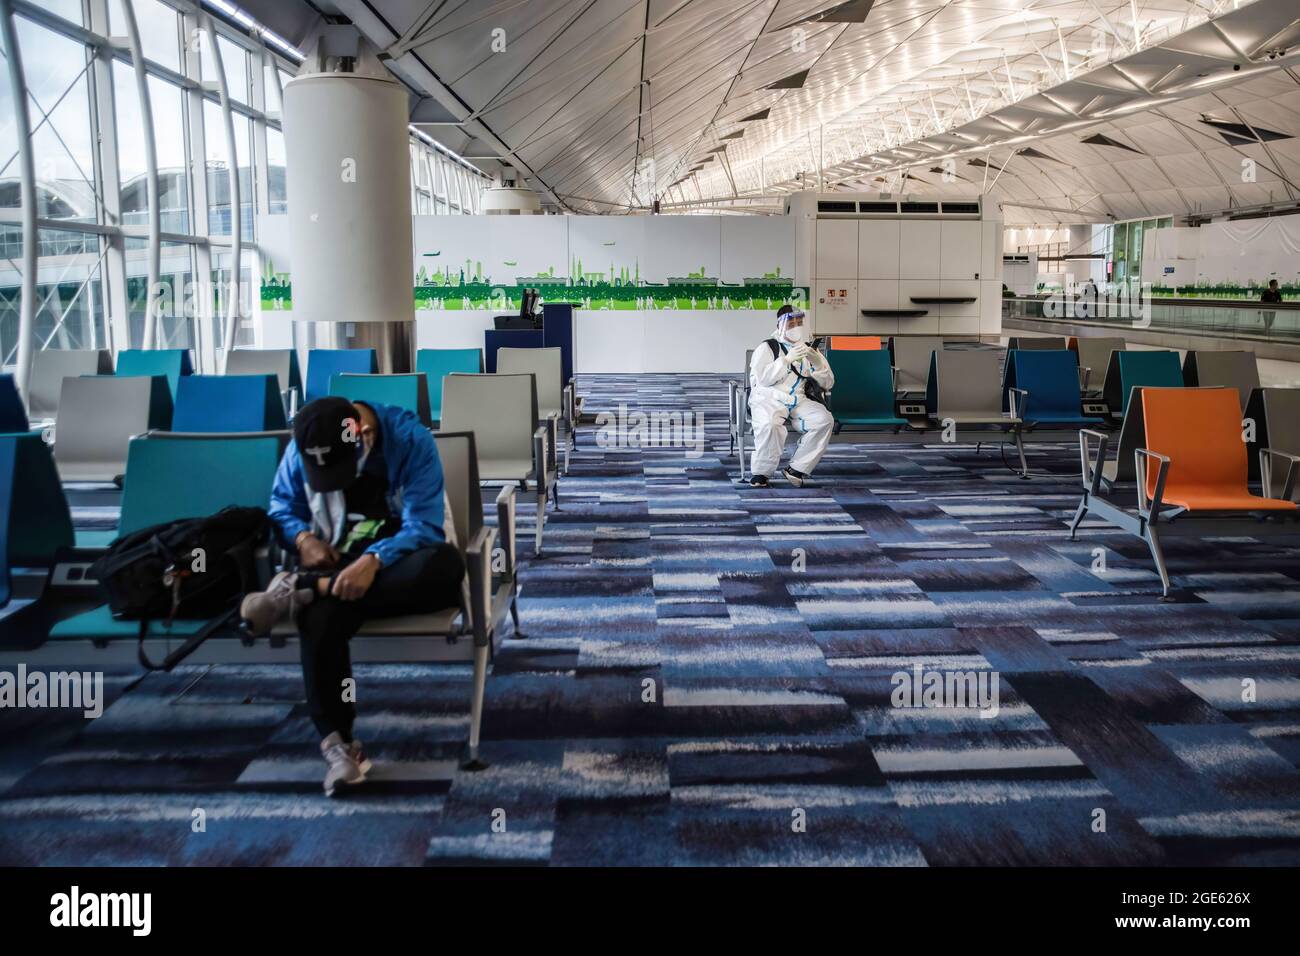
(478, 561)
(1091, 467)
(553, 442)
(1085, 373)
(541, 455)
(1150, 509)
(506, 526)
(1017, 408)
(1266, 456)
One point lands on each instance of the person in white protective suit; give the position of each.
(779, 373)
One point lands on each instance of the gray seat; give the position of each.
(1234, 369)
(277, 362)
(1052, 343)
(501, 411)
(1276, 414)
(911, 354)
(554, 396)
(51, 367)
(1094, 360)
(965, 387)
(98, 416)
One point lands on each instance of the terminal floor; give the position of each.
(707, 665)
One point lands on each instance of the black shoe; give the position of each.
(795, 478)
(758, 481)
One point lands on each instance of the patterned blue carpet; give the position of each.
(707, 680)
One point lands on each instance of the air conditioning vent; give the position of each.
(963, 208)
(825, 205)
(919, 208)
(878, 207)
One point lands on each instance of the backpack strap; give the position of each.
(191, 643)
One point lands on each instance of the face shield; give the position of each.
(790, 328)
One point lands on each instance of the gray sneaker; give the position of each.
(262, 610)
(343, 769)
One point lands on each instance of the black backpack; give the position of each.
(811, 389)
(192, 568)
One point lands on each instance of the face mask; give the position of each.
(795, 334)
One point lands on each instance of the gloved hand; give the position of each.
(797, 354)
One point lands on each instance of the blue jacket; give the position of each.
(414, 488)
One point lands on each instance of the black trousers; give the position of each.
(423, 581)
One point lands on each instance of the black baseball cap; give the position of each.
(327, 433)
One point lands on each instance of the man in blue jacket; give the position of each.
(359, 497)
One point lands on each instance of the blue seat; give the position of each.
(34, 519)
(170, 363)
(436, 364)
(13, 416)
(324, 364)
(409, 391)
(494, 339)
(864, 388)
(174, 477)
(1051, 377)
(1158, 369)
(228, 403)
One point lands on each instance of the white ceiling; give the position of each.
(604, 105)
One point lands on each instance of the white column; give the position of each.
(27, 183)
(154, 262)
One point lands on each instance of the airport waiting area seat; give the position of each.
(170, 363)
(13, 415)
(1275, 414)
(1048, 389)
(50, 367)
(964, 389)
(99, 415)
(501, 412)
(1159, 369)
(409, 391)
(169, 477)
(1191, 475)
(436, 364)
(864, 389)
(324, 364)
(554, 396)
(848, 343)
(1234, 369)
(282, 363)
(228, 403)
(35, 523)
(1025, 343)
(911, 357)
(1094, 359)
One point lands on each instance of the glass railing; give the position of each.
(1220, 318)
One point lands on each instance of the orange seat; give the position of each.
(1199, 430)
(855, 343)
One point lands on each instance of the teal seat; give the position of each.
(176, 477)
(1158, 369)
(34, 519)
(864, 388)
(409, 391)
(228, 403)
(435, 364)
(170, 363)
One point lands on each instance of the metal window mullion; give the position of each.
(154, 257)
(201, 257)
(233, 299)
(27, 185)
(117, 307)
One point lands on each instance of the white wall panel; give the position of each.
(878, 249)
(918, 248)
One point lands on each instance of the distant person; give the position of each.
(1272, 294)
(1087, 308)
(359, 498)
(780, 372)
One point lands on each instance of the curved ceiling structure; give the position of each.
(1064, 110)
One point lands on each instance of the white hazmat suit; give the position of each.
(777, 400)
